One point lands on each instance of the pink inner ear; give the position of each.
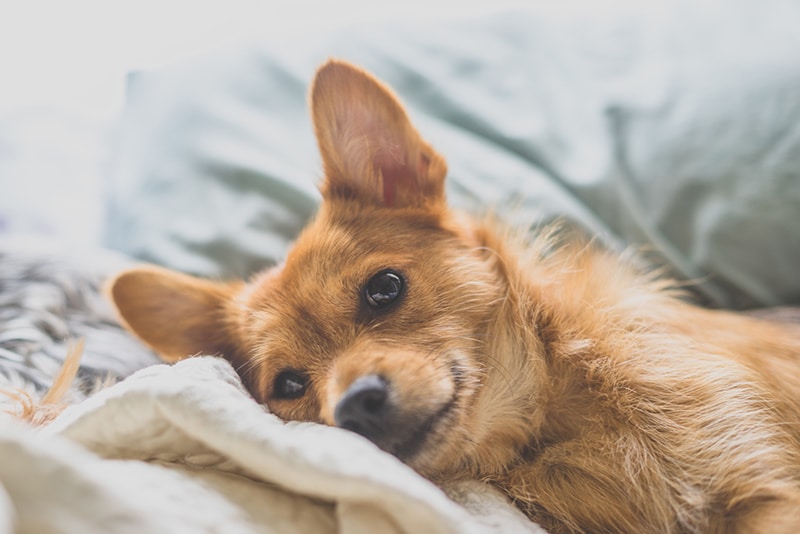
(399, 178)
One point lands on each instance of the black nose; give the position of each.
(364, 408)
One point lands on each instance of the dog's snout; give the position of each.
(364, 407)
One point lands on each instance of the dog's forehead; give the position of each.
(343, 247)
(318, 281)
(350, 239)
(316, 295)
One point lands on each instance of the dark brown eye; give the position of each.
(290, 384)
(383, 289)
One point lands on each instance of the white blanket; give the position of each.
(184, 448)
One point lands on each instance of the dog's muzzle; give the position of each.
(370, 408)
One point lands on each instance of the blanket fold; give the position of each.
(185, 448)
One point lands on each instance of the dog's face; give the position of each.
(376, 321)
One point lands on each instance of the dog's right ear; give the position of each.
(370, 150)
(176, 314)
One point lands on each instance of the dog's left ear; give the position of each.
(176, 314)
(370, 150)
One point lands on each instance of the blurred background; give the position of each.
(176, 131)
(63, 67)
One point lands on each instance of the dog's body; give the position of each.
(593, 396)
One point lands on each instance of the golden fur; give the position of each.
(592, 395)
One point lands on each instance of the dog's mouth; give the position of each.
(372, 408)
(419, 434)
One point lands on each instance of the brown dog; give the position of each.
(593, 396)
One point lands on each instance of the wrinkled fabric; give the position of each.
(51, 297)
(184, 448)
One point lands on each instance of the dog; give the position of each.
(595, 396)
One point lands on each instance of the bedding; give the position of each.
(186, 449)
(51, 296)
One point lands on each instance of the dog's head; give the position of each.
(376, 322)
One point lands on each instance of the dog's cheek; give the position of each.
(422, 386)
(451, 447)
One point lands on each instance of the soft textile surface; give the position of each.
(674, 126)
(208, 458)
(50, 295)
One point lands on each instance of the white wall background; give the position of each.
(62, 69)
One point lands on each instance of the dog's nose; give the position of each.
(364, 408)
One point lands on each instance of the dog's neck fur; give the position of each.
(513, 414)
(567, 364)
(532, 394)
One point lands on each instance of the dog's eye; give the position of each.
(383, 289)
(290, 385)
